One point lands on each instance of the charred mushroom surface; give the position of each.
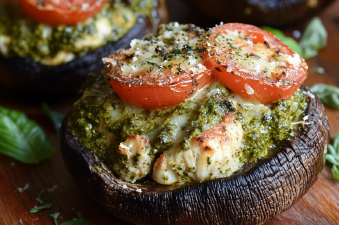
(254, 196)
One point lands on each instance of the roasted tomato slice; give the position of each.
(62, 12)
(161, 70)
(253, 63)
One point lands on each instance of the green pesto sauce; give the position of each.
(273, 128)
(101, 121)
(37, 41)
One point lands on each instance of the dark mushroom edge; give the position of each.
(261, 12)
(255, 196)
(27, 77)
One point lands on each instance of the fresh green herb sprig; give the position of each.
(72, 222)
(37, 209)
(22, 138)
(332, 156)
(328, 94)
(41, 199)
(55, 117)
(313, 39)
(76, 222)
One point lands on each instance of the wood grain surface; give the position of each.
(320, 206)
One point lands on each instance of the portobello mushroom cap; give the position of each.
(259, 12)
(251, 197)
(27, 77)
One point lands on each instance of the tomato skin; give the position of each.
(264, 93)
(55, 15)
(251, 85)
(162, 69)
(160, 96)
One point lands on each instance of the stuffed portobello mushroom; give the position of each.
(194, 126)
(48, 48)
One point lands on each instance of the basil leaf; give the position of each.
(22, 138)
(290, 42)
(56, 117)
(274, 31)
(37, 209)
(76, 222)
(313, 39)
(332, 159)
(331, 150)
(336, 143)
(293, 45)
(335, 171)
(328, 94)
(332, 156)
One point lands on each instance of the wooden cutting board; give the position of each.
(320, 206)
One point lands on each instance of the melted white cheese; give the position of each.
(253, 58)
(172, 38)
(59, 58)
(104, 29)
(252, 110)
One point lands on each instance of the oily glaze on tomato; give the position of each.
(253, 63)
(61, 12)
(161, 70)
(152, 96)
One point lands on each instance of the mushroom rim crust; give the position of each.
(255, 196)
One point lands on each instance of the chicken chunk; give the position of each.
(214, 154)
(134, 159)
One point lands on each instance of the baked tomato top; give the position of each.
(61, 12)
(253, 63)
(160, 70)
